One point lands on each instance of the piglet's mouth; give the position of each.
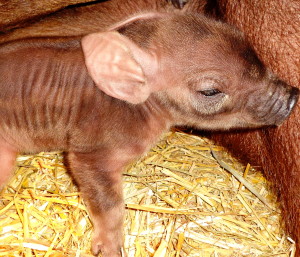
(294, 96)
(290, 106)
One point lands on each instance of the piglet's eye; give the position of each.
(210, 92)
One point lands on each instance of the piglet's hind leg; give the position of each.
(7, 163)
(100, 182)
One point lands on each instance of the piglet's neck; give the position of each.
(153, 116)
(130, 130)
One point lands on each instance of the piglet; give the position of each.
(105, 98)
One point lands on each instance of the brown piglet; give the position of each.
(105, 98)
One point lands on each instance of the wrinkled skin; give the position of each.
(215, 83)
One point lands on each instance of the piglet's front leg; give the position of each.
(99, 176)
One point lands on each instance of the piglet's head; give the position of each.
(202, 72)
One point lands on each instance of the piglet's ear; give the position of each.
(111, 63)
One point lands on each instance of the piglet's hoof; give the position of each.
(107, 249)
(99, 250)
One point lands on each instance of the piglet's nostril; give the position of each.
(293, 99)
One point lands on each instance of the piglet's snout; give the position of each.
(287, 98)
(273, 106)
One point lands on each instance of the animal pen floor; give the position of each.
(184, 198)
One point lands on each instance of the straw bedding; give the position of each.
(186, 197)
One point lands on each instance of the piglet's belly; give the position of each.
(34, 141)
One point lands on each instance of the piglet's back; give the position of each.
(44, 90)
